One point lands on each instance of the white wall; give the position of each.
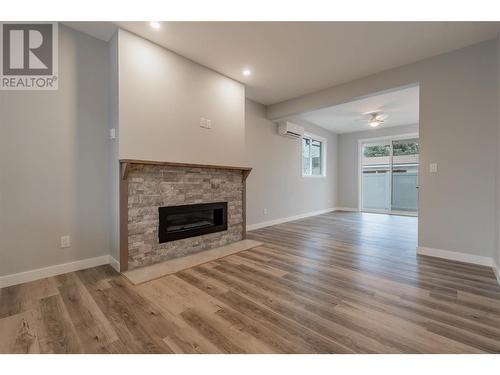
(348, 159)
(161, 99)
(276, 181)
(53, 170)
(458, 111)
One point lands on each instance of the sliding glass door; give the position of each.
(405, 176)
(376, 176)
(389, 176)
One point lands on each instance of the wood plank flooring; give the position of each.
(336, 283)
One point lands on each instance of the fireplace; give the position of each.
(178, 222)
(150, 234)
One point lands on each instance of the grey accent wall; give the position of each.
(348, 159)
(161, 99)
(458, 111)
(53, 170)
(276, 181)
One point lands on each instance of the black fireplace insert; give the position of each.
(177, 222)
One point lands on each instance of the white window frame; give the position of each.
(324, 146)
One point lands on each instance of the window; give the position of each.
(373, 151)
(405, 147)
(313, 156)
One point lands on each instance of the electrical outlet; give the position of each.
(265, 211)
(65, 242)
(209, 124)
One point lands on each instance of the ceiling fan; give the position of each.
(376, 119)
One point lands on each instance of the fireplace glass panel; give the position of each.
(191, 220)
(177, 222)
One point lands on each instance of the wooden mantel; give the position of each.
(125, 163)
(125, 169)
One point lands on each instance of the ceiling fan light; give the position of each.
(375, 120)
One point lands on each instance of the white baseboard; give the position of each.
(287, 219)
(454, 255)
(496, 269)
(114, 263)
(349, 209)
(58, 269)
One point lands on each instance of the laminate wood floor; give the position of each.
(335, 283)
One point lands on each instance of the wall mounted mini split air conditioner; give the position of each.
(291, 130)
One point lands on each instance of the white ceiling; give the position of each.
(400, 107)
(290, 59)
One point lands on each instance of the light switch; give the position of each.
(433, 167)
(112, 133)
(205, 123)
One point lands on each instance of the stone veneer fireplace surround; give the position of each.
(147, 185)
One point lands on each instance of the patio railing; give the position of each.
(377, 188)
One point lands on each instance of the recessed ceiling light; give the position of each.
(246, 72)
(155, 25)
